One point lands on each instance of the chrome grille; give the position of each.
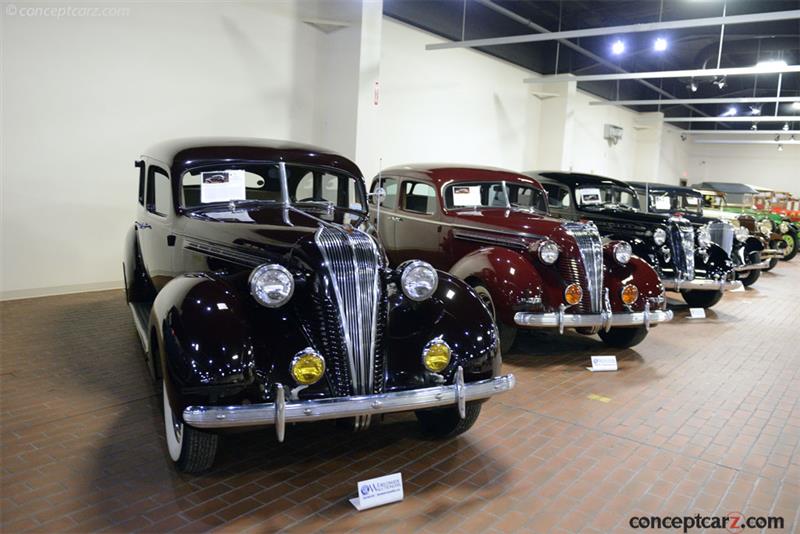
(353, 262)
(722, 234)
(682, 244)
(591, 248)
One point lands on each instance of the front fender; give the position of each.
(637, 272)
(509, 276)
(716, 262)
(454, 312)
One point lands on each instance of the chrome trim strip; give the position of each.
(223, 252)
(404, 215)
(342, 407)
(280, 413)
(474, 236)
(752, 266)
(701, 284)
(604, 320)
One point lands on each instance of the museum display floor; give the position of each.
(702, 418)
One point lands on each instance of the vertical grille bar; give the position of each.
(591, 248)
(722, 234)
(682, 243)
(353, 262)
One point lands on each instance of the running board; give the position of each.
(141, 317)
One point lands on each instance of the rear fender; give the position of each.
(509, 276)
(137, 285)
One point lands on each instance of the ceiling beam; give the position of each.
(786, 118)
(732, 100)
(741, 132)
(689, 73)
(577, 48)
(629, 28)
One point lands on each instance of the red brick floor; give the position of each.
(703, 417)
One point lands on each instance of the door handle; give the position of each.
(142, 226)
(394, 218)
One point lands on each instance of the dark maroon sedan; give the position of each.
(491, 228)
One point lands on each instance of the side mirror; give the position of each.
(378, 196)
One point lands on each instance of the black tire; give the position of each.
(445, 422)
(701, 299)
(791, 253)
(772, 263)
(191, 450)
(749, 278)
(508, 333)
(623, 337)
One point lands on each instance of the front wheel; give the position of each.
(701, 299)
(446, 422)
(791, 245)
(772, 263)
(750, 278)
(508, 334)
(623, 337)
(191, 450)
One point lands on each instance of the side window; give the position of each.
(557, 196)
(158, 192)
(390, 186)
(140, 165)
(419, 198)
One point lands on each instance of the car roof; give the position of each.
(442, 173)
(725, 187)
(183, 153)
(575, 178)
(663, 187)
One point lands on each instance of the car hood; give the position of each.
(533, 225)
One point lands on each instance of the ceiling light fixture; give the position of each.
(795, 105)
(786, 127)
(692, 86)
(777, 138)
(731, 112)
(780, 148)
(618, 47)
(771, 64)
(720, 81)
(755, 110)
(660, 44)
(754, 127)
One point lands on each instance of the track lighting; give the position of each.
(660, 44)
(720, 81)
(755, 110)
(692, 86)
(786, 127)
(730, 112)
(618, 47)
(780, 148)
(754, 127)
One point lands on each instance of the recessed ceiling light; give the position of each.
(660, 44)
(618, 47)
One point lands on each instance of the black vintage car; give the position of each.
(260, 300)
(686, 259)
(744, 248)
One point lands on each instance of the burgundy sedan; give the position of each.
(491, 228)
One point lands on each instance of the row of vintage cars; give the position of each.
(269, 287)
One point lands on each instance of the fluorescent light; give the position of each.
(771, 64)
(660, 44)
(618, 47)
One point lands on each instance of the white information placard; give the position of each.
(379, 491)
(697, 313)
(693, 201)
(589, 196)
(603, 363)
(222, 186)
(466, 195)
(663, 203)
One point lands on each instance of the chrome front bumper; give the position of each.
(280, 412)
(770, 253)
(752, 266)
(702, 284)
(605, 319)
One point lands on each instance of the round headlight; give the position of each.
(436, 355)
(765, 226)
(703, 236)
(659, 236)
(271, 285)
(573, 294)
(741, 233)
(629, 294)
(784, 227)
(548, 252)
(419, 280)
(622, 252)
(307, 367)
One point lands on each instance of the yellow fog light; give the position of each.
(629, 294)
(573, 294)
(307, 367)
(436, 355)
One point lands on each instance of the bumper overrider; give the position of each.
(605, 319)
(281, 411)
(701, 284)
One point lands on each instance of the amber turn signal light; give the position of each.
(307, 368)
(573, 294)
(629, 294)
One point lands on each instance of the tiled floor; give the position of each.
(703, 417)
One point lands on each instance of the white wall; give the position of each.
(450, 105)
(760, 165)
(82, 97)
(674, 156)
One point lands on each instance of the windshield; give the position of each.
(506, 195)
(606, 196)
(261, 182)
(713, 201)
(672, 201)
